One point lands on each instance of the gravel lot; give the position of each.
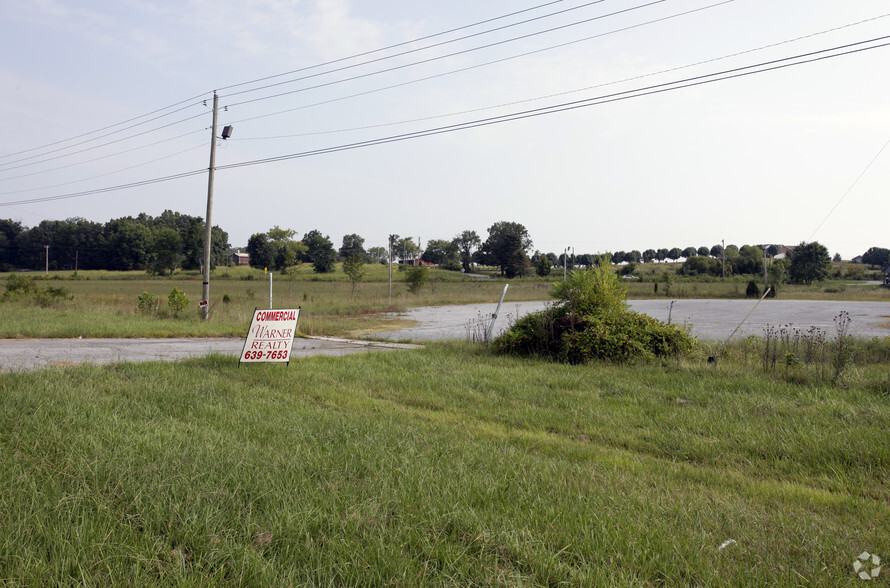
(709, 319)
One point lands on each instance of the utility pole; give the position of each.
(47, 259)
(764, 270)
(565, 255)
(723, 252)
(205, 291)
(390, 266)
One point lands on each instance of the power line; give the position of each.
(850, 189)
(115, 154)
(440, 44)
(440, 57)
(744, 71)
(94, 147)
(615, 97)
(204, 94)
(111, 173)
(535, 99)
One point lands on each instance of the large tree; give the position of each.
(876, 256)
(442, 253)
(320, 252)
(506, 248)
(810, 263)
(352, 245)
(467, 244)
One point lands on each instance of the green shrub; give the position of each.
(591, 321)
(25, 289)
(177, 301)
(416, 277)
(147, 304)
(752, 291)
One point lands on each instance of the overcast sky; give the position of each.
(762, 158)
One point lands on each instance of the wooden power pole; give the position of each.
(205, 291)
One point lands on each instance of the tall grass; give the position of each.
(444, 466)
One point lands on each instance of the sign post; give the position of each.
(270, 336)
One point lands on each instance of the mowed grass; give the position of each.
(445, 466)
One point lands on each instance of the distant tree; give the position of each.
(876, 256)
(649, 255)
(261, 251)
(836, 258)
(703, 251)
(9, 234)
(618, 257)
(416, 277)
(467, 244)
(716, 251)
(674, 254)
(352, 245)
(730, 248)
(633, 256)
(319, 252)
(354, 268)
(166, 251)
(778, 272)
(661, 254)
(377, 254)
(405, 249)
(543, 266)
(442, 253)
(129, 242)
(584, 260)
(773, 250)
(506, 248)
(700, 265)
(810, 263)
(689, 252)
(748, 261)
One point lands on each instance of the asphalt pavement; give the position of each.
(30, 354)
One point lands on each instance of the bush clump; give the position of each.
(591, 321)
(24, 289)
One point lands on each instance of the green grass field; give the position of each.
(104, 304)
(445, 466)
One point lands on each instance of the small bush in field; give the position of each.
(177, 301)
(147, 304)
(591, 321)
(24, 288)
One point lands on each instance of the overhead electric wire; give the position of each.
(111, 173)
(41, 158)
(440, 44)
(114, 142)
(850, 189)
(535, 99)
(595, 101)
(257, 80)
(110, 155)
(733, 73)
(440, 57)
(106, 127)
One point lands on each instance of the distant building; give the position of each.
(239, 258)
(857, 259)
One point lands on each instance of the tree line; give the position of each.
(158, 245)
(172, 240)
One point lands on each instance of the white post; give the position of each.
(495, 315)
(270, 290)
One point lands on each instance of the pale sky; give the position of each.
(762, 158)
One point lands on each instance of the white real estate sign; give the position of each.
(271, 335)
